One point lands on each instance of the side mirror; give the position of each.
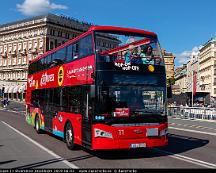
(92, 91)
(169, 91)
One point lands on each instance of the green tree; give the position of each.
(170, 81)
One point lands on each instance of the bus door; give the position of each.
(48, 111)
(86, 119)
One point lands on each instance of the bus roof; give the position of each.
(122, 30)
(113, 29)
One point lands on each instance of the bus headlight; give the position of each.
(102, 133)
(163, 132)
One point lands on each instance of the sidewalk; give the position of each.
(14, 106)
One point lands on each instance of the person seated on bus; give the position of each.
(128, 55)
(131, 56)
(147, 54)
(135, 59)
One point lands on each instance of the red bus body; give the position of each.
(82, 72)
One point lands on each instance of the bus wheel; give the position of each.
(37, 125)
(69, 136)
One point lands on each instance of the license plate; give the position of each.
(152, 132)
(140, 145)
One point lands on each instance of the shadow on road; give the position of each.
(8, 161)
(39, 164)
(177, 144)
(88, 156)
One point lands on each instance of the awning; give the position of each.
(15, 90)
(6, 89)
(10, 90)
(22, 89)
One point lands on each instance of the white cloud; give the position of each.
(37, 7)
(184, 57)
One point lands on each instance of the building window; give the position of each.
(41, 44)
(19, 60)
(67, 35)
(24, 60)
(30, 45)
(1, 61)
(35, 44)
(59, 33)
(51, 46)
(52, 32)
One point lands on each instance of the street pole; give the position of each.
(192, 90)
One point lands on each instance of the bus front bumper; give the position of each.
(107, 137)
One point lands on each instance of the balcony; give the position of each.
(21, 67)
(14, 68)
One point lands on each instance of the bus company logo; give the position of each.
(31, 82)
(45, 78)
(138, 131)
(126, 66)
(60, 76)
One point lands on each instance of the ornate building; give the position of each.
(180, 77)
(169, 63)
(24, 40)
(207, 64)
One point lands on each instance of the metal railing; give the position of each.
(202, 113)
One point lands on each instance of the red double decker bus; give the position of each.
(105, 89)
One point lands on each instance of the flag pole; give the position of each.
(192, 88)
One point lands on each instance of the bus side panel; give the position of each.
(59, 123)
(30, 116)
(28, 94)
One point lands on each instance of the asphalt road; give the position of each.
(19, 152)
(186, 149)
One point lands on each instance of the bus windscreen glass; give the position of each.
(131, 101)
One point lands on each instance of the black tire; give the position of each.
(37, 124)
(69, 136)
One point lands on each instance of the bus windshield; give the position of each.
(131, 101)
(128, 48)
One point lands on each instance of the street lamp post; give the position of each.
(192, 90)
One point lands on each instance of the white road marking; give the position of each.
(190, 119)
(42, 147)
(187, 159)
(194, 126)
(194, 131)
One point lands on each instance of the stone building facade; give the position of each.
(207, 62)
(169, 64)
(24, 40)
(181, 80)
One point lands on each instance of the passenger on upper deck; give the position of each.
(128, 54)
(147, 54)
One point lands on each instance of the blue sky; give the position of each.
(181, 25)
